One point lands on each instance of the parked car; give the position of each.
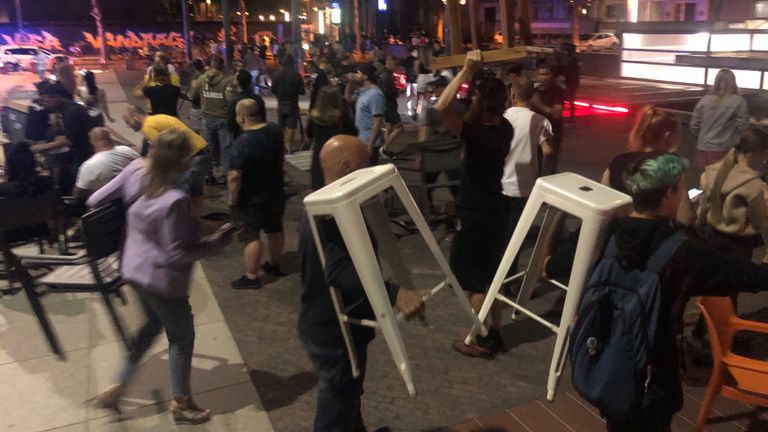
(601, 41)
(14, 58)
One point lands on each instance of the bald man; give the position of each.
(338, 393)
(255, 184)
(106, 163)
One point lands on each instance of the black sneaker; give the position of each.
(273, 269)
(245, 283)
(492, 342)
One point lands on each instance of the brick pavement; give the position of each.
(450, 387)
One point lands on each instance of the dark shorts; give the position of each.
(392, 117)
(254, 219)
(478, 247)
(288, 116)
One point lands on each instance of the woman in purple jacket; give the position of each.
(162, 244)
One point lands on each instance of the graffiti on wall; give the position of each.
(129, 39)
(43, 40)
(136, 40)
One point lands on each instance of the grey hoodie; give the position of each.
(717, 122)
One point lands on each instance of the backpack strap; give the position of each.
(666, 251)
(610, 250)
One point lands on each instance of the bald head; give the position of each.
(249, 112)
(100, 139)
(342, 155)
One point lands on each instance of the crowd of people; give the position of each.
(512, 133)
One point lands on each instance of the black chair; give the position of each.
(23, 221)
(98, 270)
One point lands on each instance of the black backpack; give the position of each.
(613, 333)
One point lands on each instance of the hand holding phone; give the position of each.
(226, 231)
(694, 193)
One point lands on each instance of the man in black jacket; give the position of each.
(338, 393)
(68, 145)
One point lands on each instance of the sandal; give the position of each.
(109, 399)
(185, 411)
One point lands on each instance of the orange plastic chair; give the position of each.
(733, 376)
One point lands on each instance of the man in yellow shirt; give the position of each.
(151, 126)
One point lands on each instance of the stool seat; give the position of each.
(576, 194)
(354, 202)
(357, 186)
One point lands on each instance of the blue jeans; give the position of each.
(215, 130)
(175, 315)
(338, 393)
(193, 181)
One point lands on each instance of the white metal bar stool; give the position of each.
(352, 201)
(569, 193)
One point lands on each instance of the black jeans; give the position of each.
(338, 393)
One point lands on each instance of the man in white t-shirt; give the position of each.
(106, 163)
(529, 151)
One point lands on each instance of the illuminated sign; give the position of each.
(321, 21)
(382, 5)
(335, 13)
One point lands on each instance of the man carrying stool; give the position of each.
(338, 392)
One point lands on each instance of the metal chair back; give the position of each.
(18, 213)
(104, 230)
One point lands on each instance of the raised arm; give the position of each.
(454, 122)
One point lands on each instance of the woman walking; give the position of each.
(92, 96)
(718, 120)
(162, 243)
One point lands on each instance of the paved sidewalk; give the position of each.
(42, 393)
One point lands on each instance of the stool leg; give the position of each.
(586, 251)
(355, 234)
(526, 220)
(531, 278)
(338, 305)
(429, 238)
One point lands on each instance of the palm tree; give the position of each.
(96, 14)
(715, 7)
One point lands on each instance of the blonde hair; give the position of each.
(328, 107)
(168, 159)
(651, 130)
(725, 84)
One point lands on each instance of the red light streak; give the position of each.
(611, 108)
